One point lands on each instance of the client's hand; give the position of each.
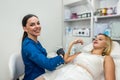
(60, 52)
(78, 40)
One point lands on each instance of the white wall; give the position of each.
(11, 14)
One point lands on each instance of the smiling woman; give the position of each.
(32, 27)
(33, 54)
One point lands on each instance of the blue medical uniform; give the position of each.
(35, 60)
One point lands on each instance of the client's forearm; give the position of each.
(67, 54)
(70, 58)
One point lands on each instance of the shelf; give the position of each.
(97, 17)
(108, 16)
(78, 19)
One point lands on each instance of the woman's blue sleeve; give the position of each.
(41, 60)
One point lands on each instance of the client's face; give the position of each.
(100, 42)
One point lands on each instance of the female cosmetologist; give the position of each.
(33, 53)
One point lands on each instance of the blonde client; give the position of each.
(87, 65)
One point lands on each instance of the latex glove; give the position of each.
(60, 52)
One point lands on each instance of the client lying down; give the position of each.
(87, 65)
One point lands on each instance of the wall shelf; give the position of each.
(107, 16)
(78, 19)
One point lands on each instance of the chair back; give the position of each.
(16, 66)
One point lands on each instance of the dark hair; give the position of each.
(24, 22)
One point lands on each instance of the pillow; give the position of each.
(115, 49)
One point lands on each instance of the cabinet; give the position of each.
(82, 14)
(77, 21)
(107, 16)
